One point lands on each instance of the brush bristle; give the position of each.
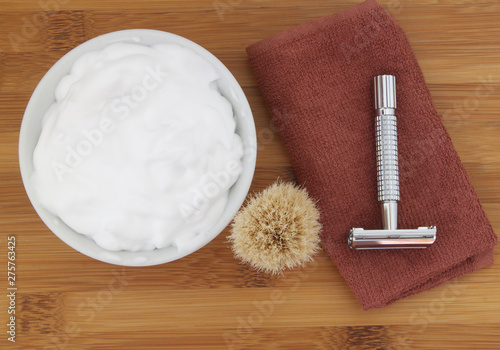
(277, 229)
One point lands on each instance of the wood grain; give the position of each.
(208, 300)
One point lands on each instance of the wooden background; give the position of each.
(208, 300)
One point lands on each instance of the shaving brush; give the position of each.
(278, 229)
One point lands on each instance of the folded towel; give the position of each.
(317, 81)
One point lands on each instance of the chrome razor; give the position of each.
(388, 180)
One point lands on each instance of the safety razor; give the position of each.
(388, 180)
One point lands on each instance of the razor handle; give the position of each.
(386, 140)
(386, 137)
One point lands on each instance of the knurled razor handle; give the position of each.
(388, 180)
(386, 133)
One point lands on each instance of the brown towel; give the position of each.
(317, 83)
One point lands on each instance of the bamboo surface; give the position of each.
(208, 300)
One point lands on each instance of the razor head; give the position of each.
(361, 239)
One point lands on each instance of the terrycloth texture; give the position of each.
(317, 80)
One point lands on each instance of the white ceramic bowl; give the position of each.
(42, 99)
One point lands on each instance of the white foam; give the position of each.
(139, 150)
